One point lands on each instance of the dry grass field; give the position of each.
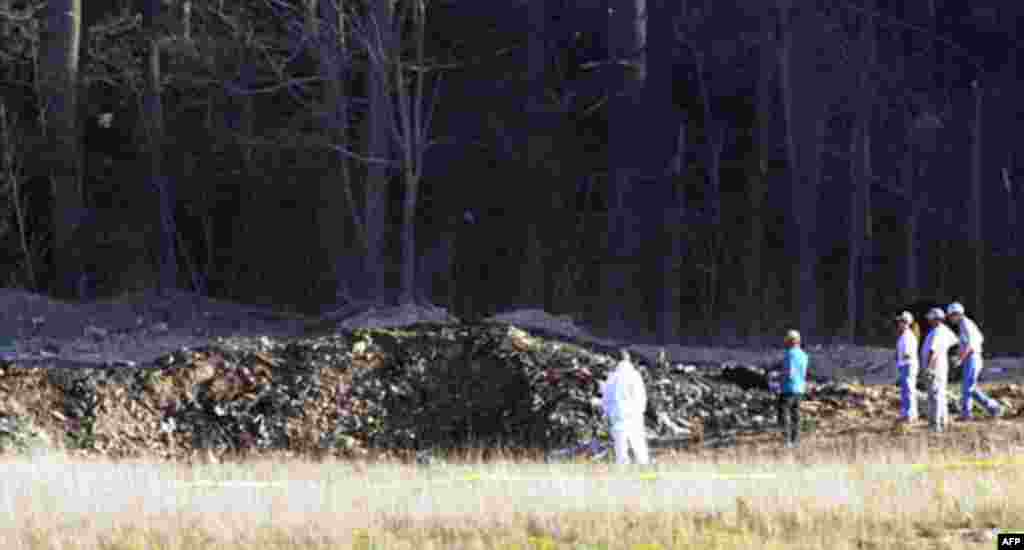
(911, 492)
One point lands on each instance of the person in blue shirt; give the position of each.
(792, 388)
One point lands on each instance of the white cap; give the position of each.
(792, 336)
(956, 308)
(934, 314)
(906, 317)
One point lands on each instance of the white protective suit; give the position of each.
(937, 343)
(625, 400)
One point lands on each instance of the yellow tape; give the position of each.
(989, 463)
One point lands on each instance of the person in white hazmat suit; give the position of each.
(935, 357)
(624, 399)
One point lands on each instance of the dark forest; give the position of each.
(673, 171)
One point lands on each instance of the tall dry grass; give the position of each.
(837, 495)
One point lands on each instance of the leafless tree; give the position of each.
(627, 31)
(857, 301)
(975, 236)
(805, 96)
(13, 177)
(767, 92)
(400, 113)
(5, 24)
(58, 82)
(415, 114)
(161, 185)
(533, 279)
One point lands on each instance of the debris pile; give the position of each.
(417, 388)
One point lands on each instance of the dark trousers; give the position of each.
(789, 416)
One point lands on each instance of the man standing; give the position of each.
(625, 400)
(970, 357)
(935, 355)
(906, 362)
(794, 376)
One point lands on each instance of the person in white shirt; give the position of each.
(625, 401)
(907, 364)
(971, 340)
(935, 356)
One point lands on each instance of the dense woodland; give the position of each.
(678, 170)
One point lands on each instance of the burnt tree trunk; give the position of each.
(60, 46)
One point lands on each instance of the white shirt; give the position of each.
(906, 349)
(938, 342)
(970, 335)
(624, 395)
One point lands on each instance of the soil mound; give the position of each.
(397, 316)
(398, 390)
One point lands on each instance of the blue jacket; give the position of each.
(794, 371)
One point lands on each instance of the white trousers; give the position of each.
(630, 435)
(938, 405)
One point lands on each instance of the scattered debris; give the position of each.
(419, 388)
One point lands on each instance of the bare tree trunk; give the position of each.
(533, 277)
(785, 84)
(758, 183)
(857, 295)
(627, 32)
(714, 136)
(975, 210)
(1011, 207)
(670, 140)
(1015, 280)
(868, 252)
(162, 185)
(325, 19)
(804, 132)
(911, 250)
(414, 122)
(379, 146)
(60, 45)
(752, 260)
(12, 161)
(186, 20)
(407, 287)
(668, 317)
(240, 121)
(5, 24)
